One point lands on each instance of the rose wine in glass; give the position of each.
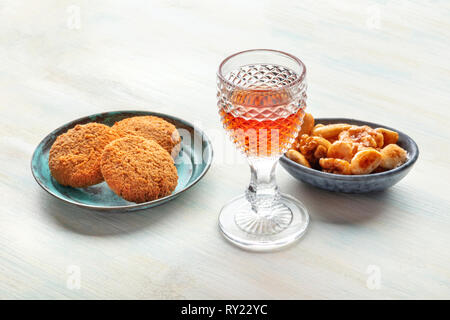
(261, 99)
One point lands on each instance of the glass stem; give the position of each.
(262, 192)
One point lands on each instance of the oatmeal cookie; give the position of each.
(138, 169)
(151, 127)
(75, 156)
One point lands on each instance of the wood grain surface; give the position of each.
(382, 61)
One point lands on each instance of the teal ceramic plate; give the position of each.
(192, 164)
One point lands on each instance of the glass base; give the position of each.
(278, 227)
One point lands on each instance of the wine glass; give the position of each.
(261, 98)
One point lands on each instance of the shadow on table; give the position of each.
(340, 208)
(97, 223)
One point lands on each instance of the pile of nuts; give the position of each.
(346, 149)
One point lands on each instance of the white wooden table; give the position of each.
(384, 61)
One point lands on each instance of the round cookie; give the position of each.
(138, 169)
(151, 127)
(75, 156)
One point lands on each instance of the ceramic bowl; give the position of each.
(192, 164)
(355, 183)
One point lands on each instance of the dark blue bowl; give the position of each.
(355, 183)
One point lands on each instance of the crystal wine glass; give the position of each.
(261, 98)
